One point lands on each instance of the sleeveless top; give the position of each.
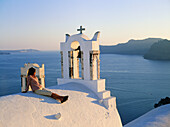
(33, 82)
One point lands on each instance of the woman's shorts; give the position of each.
(43, 91)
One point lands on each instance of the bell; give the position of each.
(79, 54)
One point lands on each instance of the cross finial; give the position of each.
(81, 29)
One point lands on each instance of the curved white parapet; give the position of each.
(96, 36)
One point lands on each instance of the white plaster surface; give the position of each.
(97, 86)
(94, 85)
(81, 110)
(158, 117)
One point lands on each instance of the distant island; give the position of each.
(7, 52)
(4, 53)
(159, 51)
(132, 47)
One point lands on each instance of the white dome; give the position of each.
(81, 110)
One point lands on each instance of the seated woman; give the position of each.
(36, 87)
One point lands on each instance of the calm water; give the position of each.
(137, 83)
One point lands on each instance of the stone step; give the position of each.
(110, 102)
(104, 94)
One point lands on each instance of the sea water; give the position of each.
(137, 83)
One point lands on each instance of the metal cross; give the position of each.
(81, 29)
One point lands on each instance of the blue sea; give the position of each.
(137, 83)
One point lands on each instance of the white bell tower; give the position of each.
(80, 63)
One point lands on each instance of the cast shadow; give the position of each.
(41, 98)
(51, 117)
(72, 86)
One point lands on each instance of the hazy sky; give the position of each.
(42, 24)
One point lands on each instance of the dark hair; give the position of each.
(31, 71)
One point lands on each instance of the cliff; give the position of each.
(132, 47)
(159, 51)
(16, 51)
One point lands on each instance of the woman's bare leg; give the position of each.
(58, 97)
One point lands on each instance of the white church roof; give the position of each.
(81, 110)
(159, 117)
